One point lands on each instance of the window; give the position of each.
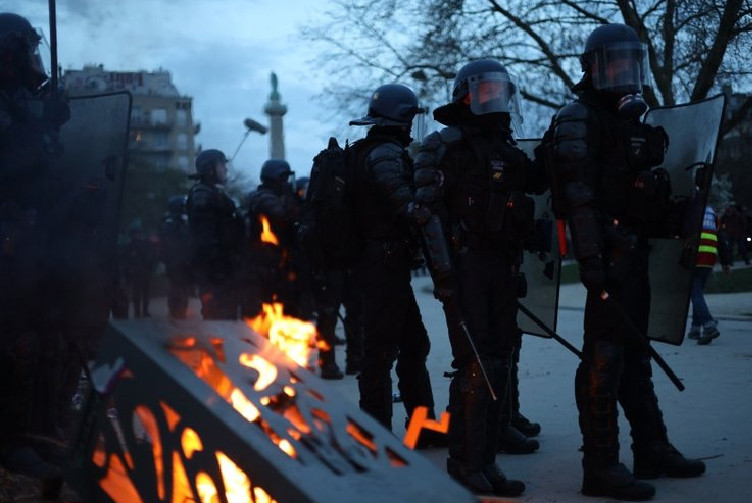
(181, 116)
(159, 116)
(182, 141)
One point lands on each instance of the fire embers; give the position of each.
(211, 411)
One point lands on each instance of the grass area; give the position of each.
(738, 280)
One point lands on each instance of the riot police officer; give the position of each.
(29, 322)
(613, 200)
(473, 175)
(217, 234)
(284, 273)
(392, 325)
(175, 239)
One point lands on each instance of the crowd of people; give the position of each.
(463, 205)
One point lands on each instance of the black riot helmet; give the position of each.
(487, 87)
(390, 105)
(483, 87)
(20, 63)
(301, 186)
(206, 163)
(615, 59)
(275, 172)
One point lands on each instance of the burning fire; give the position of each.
(293, 336)
(267, 236)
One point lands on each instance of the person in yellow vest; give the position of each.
(704, 327)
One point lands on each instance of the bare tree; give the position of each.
(694, 46)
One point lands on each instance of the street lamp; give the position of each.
(250, 125)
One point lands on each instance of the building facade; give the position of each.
(162, 133)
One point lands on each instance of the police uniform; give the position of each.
(217, 233)
(605, 185)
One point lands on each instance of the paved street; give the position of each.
(711, 419)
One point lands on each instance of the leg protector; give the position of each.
(375, 386)
(653, 453)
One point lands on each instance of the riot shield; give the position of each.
(88, 178)
(541, 263)
(694, 133)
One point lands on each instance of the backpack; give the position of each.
(329, 231)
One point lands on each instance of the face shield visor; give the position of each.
(496, 92)
(39, 60)
(620, 68)
(493, 92)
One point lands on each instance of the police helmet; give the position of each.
(275, 171)
(390, 105)
(207, 160)
(19, 52)
(301, 186)
(615, 59)
(487, 87)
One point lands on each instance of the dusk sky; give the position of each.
(221, 53)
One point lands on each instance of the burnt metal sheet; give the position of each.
(161, 427)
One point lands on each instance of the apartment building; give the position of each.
(162, 128)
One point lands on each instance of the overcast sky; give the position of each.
(219, 52)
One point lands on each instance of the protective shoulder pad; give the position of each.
(435, 145)
(570, 132)
(385, 151)
(201, 196)
(451, 135)
(576, 110)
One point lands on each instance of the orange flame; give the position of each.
(267, 236)
(293, 336)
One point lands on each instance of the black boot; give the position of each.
(654, 455)
(331, 372)
(524, 425)
(664, 459)
(519, 421)
(512, 441)
(502, 486)
(614, 482)
(473, 480)
(596, 388)
(329, 368)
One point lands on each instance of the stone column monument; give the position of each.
(275, 110)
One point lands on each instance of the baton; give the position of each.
(653, 353)
(53, 47)
(464, 329)
(550, 332)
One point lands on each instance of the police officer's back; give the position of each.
(217, 233)
(392, 324)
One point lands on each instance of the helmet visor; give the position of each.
(493, 92)
(620, 67)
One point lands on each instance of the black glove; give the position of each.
(445, 288)
(55, 110)
(593, 275)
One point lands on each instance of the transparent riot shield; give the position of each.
(88, 177)
(541, 264)
(694, 133)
